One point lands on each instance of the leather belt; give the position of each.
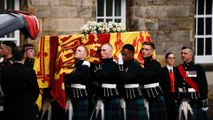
(108, 85)
(79, 86)
(153, 85)
(131, 86)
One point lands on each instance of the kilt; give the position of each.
(157, 110)
(80, 109)
(198, 114)
(112, 110)
(135, 109)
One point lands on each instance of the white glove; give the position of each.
(87, 63)
(204, 108)
(120, 59)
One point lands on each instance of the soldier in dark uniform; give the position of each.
(192, 87)
(169, 86)
(30, 53)
(106, 76)
(151, 77)
(130, 78)
(20, 88)
(7, 48)
(76, 86)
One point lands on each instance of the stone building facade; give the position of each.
(169, 22)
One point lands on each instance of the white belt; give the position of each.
(79, 86)
(153, 85)
(189, 90)
(131, 86)
(108, 85)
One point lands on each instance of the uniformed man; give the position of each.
(30, 53)
(130, 79)
(7, 48)
(76, 83)
(192, 87)
(169, 86)
(106, 75)
(151, 77)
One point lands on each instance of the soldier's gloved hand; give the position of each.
(97, 67)
(176, 103)
(121, 68)
(120, 59)
(204, 104)
(87, 63)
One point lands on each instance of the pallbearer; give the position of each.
(130, 78)
(76, 84)
(108, 105)
(151, 77)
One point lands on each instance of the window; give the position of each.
(203, 32)
(111, 10)
(14, 5)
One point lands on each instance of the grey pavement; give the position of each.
(210, 111)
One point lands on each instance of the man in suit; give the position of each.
(20, 88)
(169, 87)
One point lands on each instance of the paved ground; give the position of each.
(210, 111)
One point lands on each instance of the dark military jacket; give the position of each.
(81, 74)
(131, 73)
(152, 71)
(198, 76)
(29, 62)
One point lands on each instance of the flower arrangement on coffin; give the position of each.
(102, 27)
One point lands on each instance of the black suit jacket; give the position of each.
(165, 82)
(21, 90)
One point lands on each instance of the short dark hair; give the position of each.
(129, 47)
(18, 53)
(167, 54)
(150, 44)
(11, 44)
(190, 48)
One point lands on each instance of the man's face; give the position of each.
(186, 55)
(30, 53)
(80, 53)
(146, 51)
(106, 52)
(1, 52)
(127, 55)
(170, 59)
(5, 50)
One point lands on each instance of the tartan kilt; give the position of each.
(135, 109)
(157, 110)
(112, 109)
(198, 114)
(80, 109)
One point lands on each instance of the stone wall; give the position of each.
(59, 17)
(170, 23)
